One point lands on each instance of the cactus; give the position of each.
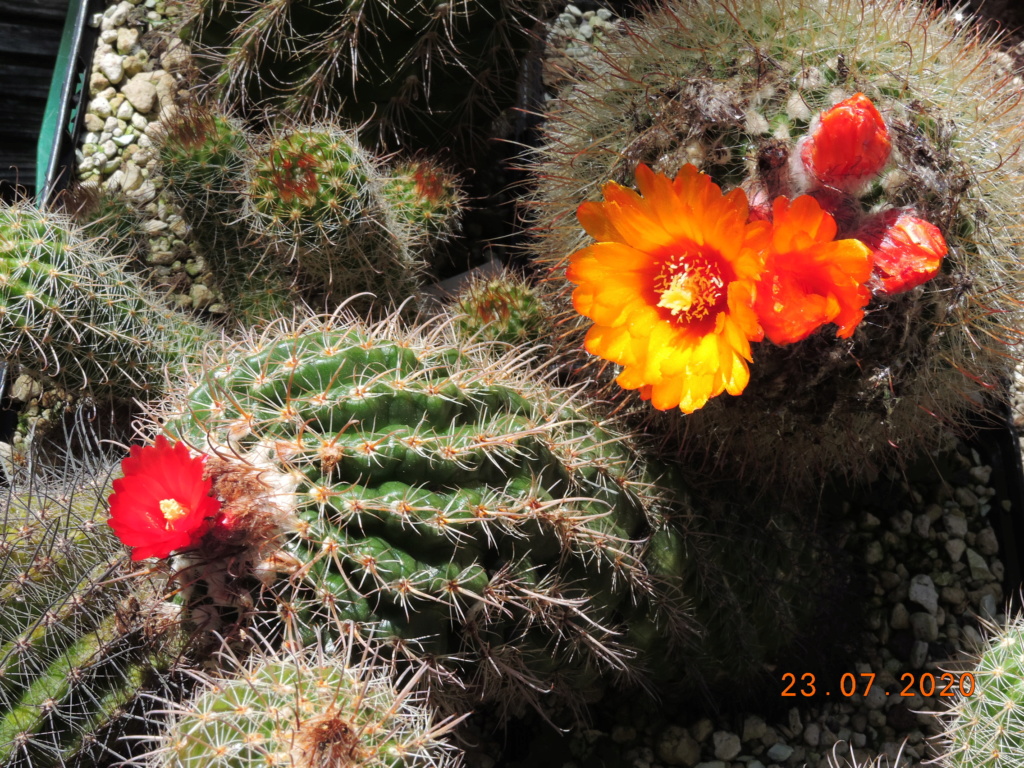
(316, 196)
(425, 197)
(983, 727)
(734, 88)
(81, 633)
(505, 308)
(415, 74)
(304, 709)
(438, 500)
(75, 314)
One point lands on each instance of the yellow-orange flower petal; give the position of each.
(670, 286)
(810, 279)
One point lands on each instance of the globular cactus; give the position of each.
(504, 308)
(72, 312)
(426, 197)
(436, 499)
(82, 633)
(316, 198)
(304, 709)
(984, 726)
(417, 74)
(744, 90)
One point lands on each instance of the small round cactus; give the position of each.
(316, 198)
(985, 724)
(307, 709)
(426, 197)
(505, 308)
(773, 101)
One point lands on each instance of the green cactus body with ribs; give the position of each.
(442, 502)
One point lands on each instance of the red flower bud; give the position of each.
(849, 145)
(907, 250)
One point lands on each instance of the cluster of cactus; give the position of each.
(731, 87)
(370, 521)
(416, 74)
(82, 634)
(307, 206)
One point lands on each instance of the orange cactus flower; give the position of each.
(849, 144)
(670, 286)
(162, 503)
(907, 251)
(810, 278)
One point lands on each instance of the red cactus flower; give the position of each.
(849, 144)
(907, 251)
(162, 503)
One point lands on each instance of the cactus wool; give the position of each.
(902, 126)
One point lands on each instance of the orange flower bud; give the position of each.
(907, 251)
(849, 145)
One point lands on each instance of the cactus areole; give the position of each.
(443, 504)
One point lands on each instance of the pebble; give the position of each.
(922, 591)
(110, 67)
(955, 549)
(979, 568)
(100, 107)
(780, 752)
(141, 92)
(727, 745)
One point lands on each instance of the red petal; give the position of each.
(849, 145)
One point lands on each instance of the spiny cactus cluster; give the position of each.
(304, 208)
(735, 88)
(81, 634)
(416, 74)
(506, 308)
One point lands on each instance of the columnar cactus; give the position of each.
(893, 120)
(73, 313)
(438, 500)
(302, 710)
(80, 635)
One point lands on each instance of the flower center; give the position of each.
(172, 511)
(689, 286)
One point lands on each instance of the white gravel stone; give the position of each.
(110, 67)
(986, 542)
(125, 111)
(955, 523)
(727, 745)
(923, 592)
(955, 549)
(753, 728)
(678, 747)
(918, 654)
(141, 92)
(924, 626)
(979, 568)
(900, 617)
(127, 38)
(779, 753)
(100, 106)
(93, 123)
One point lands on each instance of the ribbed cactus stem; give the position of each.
(72, 312)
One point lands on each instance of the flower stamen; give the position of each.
(690, 286)
(172, 510)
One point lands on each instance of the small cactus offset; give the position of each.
(438, 500)
(875, 133)
(71, 312)
(505, 308)
(426, 197)
(81, 634)
(984, 727)
(305, 709)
